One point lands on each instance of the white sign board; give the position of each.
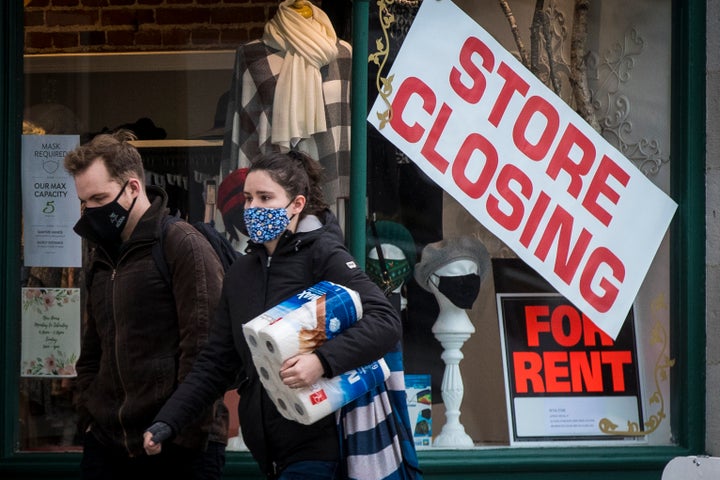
(523, 163)
(50, 203)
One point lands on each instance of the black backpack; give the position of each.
(222, 246)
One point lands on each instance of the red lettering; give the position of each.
(477, 188)
(557, 324)
(592, 333)
(566, 263)
(539, 150)
(602, 302)
(599, 186)
(561, 159)
(616, 361)
(513, 83)
(474, 92)
(527, 367)
(429, 148)
(587, 371)
(408, 88)
(554, 372)
(510, 174)
(533, 325)
(533, 221)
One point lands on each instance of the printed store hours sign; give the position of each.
(523, 163)
(50, 332)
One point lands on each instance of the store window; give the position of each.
(167, 74)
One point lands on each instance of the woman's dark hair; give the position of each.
(298, 174)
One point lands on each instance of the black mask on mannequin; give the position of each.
(461, 290)
(103, 225)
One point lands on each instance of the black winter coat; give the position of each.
(255, 283)
(141, 339)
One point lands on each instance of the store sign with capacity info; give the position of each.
(523, 163)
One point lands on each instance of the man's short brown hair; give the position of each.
(121, 158)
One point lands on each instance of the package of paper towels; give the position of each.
(310, 404)
(303, 322)
(299, 325)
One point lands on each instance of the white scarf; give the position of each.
(309, 44)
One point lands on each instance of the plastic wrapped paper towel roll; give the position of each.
(269, 372)
(328, 395)
(319, 312)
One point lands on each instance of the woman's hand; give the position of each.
(301, 370)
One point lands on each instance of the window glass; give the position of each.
(160, 72)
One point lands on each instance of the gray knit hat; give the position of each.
(439, 254)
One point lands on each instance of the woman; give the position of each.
(295, 242)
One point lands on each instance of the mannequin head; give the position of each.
(453, 269)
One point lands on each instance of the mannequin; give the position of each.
(452, 270)
(321, 128)
(399, 269)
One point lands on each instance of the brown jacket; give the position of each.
(141, 338)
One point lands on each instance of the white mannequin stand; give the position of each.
(452, 329)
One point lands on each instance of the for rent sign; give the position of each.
(523, 163)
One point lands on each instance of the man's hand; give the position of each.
(154, 436)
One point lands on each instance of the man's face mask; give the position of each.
(104, 224)
(265, 224)
(461, 290)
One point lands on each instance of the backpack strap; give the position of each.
(158, 250)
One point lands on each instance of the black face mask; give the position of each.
(103, 225)
(461, 290)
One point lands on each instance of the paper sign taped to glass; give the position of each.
(523, 163)
(298, 325)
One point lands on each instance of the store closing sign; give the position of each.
(523, 163)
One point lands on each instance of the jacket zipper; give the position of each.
(117, 359)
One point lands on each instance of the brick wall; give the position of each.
(71, 26)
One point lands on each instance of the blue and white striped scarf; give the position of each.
(375, 434)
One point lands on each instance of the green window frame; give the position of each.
(687, 273)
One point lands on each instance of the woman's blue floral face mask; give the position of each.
(265, 224)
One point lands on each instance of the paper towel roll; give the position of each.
(251, 330)
(310, 325)
(269, 372)
(328, 395)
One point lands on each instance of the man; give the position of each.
(142, 334)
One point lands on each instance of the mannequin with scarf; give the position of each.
(291, 89)
(452, 270)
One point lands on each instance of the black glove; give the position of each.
(161, 431)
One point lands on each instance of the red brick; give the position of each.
(237, 15)
(34, 18)
(121, 3)
(70, 17)
(65, 3)
(120, 37)
(120, 16)
(94, 3)
(176, 36)
(179, 2)
(92, 38)
(38, 3)
(209, 2)
(205, 36)
(40, 40)
(182, 16)
(150, 2)
(64, 40)
(148, 37)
